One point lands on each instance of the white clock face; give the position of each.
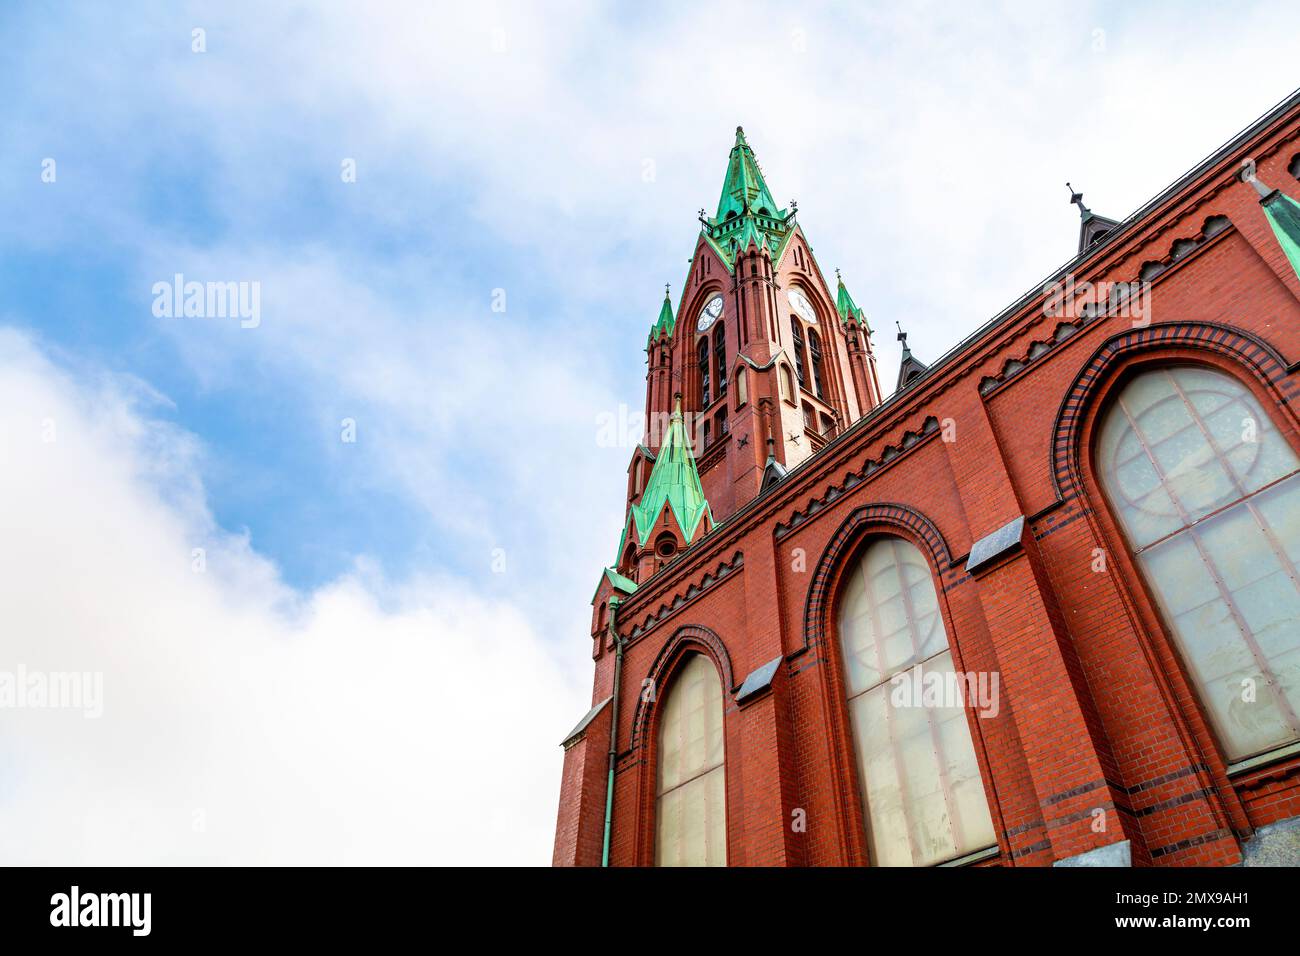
(802, 306)
(712, 309)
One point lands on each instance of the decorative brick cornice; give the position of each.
(688, 594)
(888, 455)
(1179, 253)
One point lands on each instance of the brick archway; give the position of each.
(914, 525)
(1224, 340)
(691, 637)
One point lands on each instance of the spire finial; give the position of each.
(838, 277)
(1077, 199)
(666, 295)
(902, 337)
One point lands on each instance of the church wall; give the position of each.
(1098, 720)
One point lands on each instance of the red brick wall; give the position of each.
(1097, 719)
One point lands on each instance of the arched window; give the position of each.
(720, 357)
(787, 384)
(703, 356)
(815, 354)
(921, 787)
(691, 791)
(742, 387)
(1207, 492)
(796, 331)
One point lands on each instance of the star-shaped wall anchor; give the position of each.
(742, 441)
(795, 438)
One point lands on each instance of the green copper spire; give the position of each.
(746, 210)
(744, 188)
(675, 482)
(1283, 214)
(665, 324)
(845, 306)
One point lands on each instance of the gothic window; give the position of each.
(787, 384)
(1208, 494)
(690, 793)
(721, 422)
(708, 435)
(815, 354)
(797, 346)
(742, 387)
(703, 354)
(921, 787)
(720, 357)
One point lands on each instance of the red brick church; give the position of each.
(1039, 606)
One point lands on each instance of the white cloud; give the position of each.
(364, 722)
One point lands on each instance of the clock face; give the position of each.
(712, 309)
(802, 306)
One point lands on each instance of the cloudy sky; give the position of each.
(319, 650)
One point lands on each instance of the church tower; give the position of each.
(760, 365)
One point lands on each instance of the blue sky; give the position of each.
(557, 153)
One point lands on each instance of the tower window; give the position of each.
(815, 353)
(1207, 491)
(721, 422)
(787, 384)
(703, 354)
(796, 331)
(720, 357)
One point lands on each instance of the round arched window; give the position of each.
(1208, 494)
(921, 786)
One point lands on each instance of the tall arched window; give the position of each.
(796, 332)
(1207, 492)
(691, 795)
(815, 355)
(921, 787)
(720, 357)
(702, 354)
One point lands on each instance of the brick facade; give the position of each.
(1097, 716)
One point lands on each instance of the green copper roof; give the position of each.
(621, 583)
(675, 482)
(746, 210)
(1283, 214)
(845, 306)
(665, 324)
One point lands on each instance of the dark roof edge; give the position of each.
(1125, 226)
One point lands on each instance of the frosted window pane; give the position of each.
(691, 808)
(922, 792)
(1224, 573)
